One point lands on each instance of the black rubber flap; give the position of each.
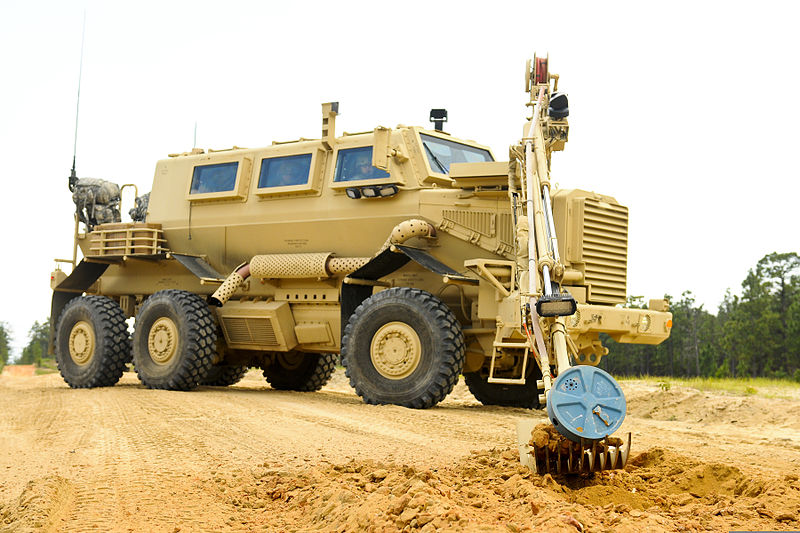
(82, 277)
(385, 263)
(434, 265)
(198, 266)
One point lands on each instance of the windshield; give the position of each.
(442, 153)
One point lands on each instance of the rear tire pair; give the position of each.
(174, 347)
(173, 342)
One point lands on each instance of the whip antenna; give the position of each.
(73, 178)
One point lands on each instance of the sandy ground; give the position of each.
(248, 458)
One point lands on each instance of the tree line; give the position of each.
(33, 352)
(756, 334)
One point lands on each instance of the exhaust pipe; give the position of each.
(313, 265)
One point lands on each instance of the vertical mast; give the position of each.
(73, 178)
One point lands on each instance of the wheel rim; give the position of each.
(81, 343)
(290, 360)
(395, 350)
(162, 341)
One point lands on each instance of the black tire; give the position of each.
(526, 396)
(181, 330)
(305, 372)
(224, 375)
(419, 381)
(95, 328)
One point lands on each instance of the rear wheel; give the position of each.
(403, 346)
(92, 342)
(526, 395)
(174, 341)
(224, 375)
(306, 372)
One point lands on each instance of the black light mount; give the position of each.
(562, 304)
(438, 117)
(371, 191)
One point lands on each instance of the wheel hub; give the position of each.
(395, 350)
(81, 343)
(162, 342)
(290, 360)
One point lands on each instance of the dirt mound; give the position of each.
(39, 507)
(692, 405)
(658, 491)
(19, 370)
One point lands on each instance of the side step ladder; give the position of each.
(509, 381)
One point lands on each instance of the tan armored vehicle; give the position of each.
(415, 255)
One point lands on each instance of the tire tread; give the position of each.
(452, 351)
(113, 336)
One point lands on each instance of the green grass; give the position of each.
(48, 364)
(765, 387)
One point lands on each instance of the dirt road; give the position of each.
(251, 458)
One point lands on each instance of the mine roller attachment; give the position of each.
(585, 407)
(545, 451)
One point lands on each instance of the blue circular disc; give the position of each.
(585, 402)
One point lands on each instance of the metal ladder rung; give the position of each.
(520, 345)
(508, 381)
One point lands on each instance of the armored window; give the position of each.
(442, 153)
(214, 178)
(285, 171)
(355, 164)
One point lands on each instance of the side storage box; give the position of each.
(258, 325)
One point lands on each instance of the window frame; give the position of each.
(240, 185)
(435, 175)
(312, 181)
(392, 179)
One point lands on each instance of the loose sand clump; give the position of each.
(490, 491)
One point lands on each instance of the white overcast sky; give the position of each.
(686, 112)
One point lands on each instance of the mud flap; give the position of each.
(80, 279)
(362, 281)
(199, 267)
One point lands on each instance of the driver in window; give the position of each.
(363, 167)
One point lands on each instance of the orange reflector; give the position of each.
(669, 324)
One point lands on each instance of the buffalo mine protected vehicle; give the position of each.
(414, 255)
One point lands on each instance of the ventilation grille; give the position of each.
(605, 250)
(505, 229)
(480, 222)
(241, 330)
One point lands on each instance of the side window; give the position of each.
(214, 178)
(355, 164)
(285, 171)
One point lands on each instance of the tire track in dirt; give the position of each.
(128, 458)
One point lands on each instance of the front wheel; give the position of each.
(526, 396)
(403, 346)
(174, 341)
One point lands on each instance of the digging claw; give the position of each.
(573, 457)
